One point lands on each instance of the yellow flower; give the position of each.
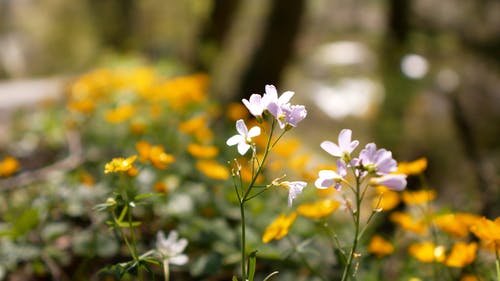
(287, 147)
(86, 105)
(418, 197)
(380, 247)
(468, 277)
(86, 178)
(137, 128)
(318, 209)
(202, 151)
(386, 200)
(194, 124)
(412, 168)
(406, 222)
(120, 114)
(462, 254)
(488, 231)
(455, 224)
(213, 169)
(8, 166)
(120, 164)
(236, 111)
(154, 153)
(427, 252)
(279, 227)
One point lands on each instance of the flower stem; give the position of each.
(352, 253)
(243, 241)
(497, 262)
(166, 270)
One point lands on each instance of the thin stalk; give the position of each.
(243, 241)
(497, 262)
(356, 215)
(166, 269)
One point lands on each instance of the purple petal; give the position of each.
(393, 181)
(241, 127)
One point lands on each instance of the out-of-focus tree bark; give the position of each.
(215, 31)
(275, 49)
(113, 20)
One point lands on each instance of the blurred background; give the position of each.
(421, 78)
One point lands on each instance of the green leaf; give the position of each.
(125, 224)
(252, 260)
(144, 196)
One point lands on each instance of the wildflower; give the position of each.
(194, 124)
(328, 178)
(488, 231)
(462, 254)
(287, 147)
(380, 247)
(406, 222)
(236, 111)
(271, 97)
(171, 249)
(468, 277)
(427, 252)
(318, 209)
(279, 227)
(212, 169)
(120, 164)
(412, 168)
(154, 153)
(256, 105)
(386, 199)
(294, 189)
(244, 139)
(293, 115)
(120, 114)
(344, 148)
(8, 166)
(418, 197)
(392, 181)
(375, 161)
(202, 151)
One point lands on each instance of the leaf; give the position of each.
(125, 224)
(252, 260)
(144, 196)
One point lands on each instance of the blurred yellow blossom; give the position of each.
(120, 114)
(8, 166)
(418, 197)
(469, 277)
(287, 147)
(462, 254)
(194, 124)
(455, 224)
(386, 199)
(380, 247)
(86, 105)
(120, 164)
(279, 227)
(154, 153)
(236, 111)
(318, 209)
(213, 169)
(488, 231)
(202, 151)
(427, 252)
(412, 168)
(406, 222)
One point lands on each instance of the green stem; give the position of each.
(356, 215)
(497, 262)
(166, 270)
(243, 241)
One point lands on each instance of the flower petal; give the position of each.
(241, 127)
(234, 140)
(331, 148)
(254, 131)
(243, 147)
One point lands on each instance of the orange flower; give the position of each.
(488, 231)
(202, 151)
(418, 197)
(469, 277)
(213, 169)
(236, 111)
(412, 168)
(8, 166)
(462, 254)
(406, 222)
(120, 164)
(455, 224)
(318, 209)
(279, 227)
(427, 252)
(194, 124)
(287, 147)
(156, 154)
(386, 200)
(380, 247)
(120, 114)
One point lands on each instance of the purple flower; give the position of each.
(271, 96)
(376, 161)
(256, 105)
(294, 114)
(244, 139)
(393, 181)
(328, 178)
(344, 148)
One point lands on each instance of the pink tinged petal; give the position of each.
(393, 181)
(331, 148)
(243, 147)
(274, 109)
(295, 114)
(272, 93)
(254, 131)
(234, 140)
(254, 105)
(241, 127)
(285, 97)
(322, 183)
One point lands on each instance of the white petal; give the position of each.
(234, 140)
(331, 148)
(328, 174)
(345, 138)
(285, 97)
(271, 92)
(178, 260)
(254, 131)
(243, 148)
(241, 127)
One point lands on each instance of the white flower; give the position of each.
(271, 96)
(255, 104)
(244, 139)
(171, 248)
(294, 189)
